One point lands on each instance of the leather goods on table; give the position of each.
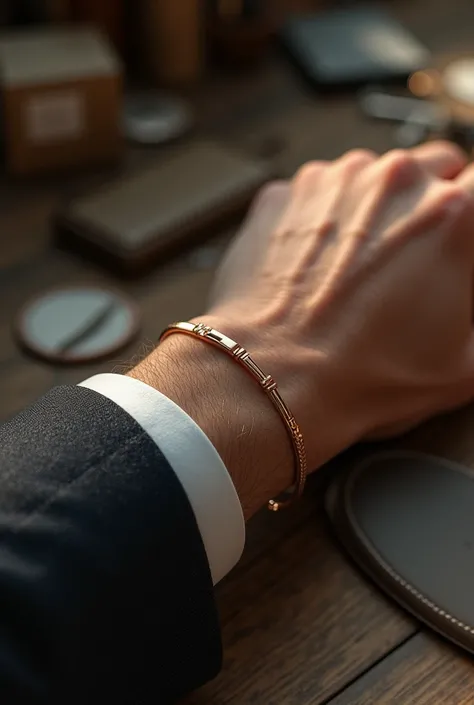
(133, 222)
(77, 324)
(352, 46)
(407, 520)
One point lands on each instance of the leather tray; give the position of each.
(136, 221)
(407, 520)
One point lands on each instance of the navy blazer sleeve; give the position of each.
(105, 589)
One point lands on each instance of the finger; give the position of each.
(442, 159)
(356, 159)
(307, 177)
(466, 179)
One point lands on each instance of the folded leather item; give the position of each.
(407, 519)
(135, 221)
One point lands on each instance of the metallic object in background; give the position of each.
(441, 104)
(396, 107)
(418, 118)
(414, 130)
(76, 325)
(450, 86)
(155, 118)
(458, 80)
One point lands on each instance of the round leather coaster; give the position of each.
(407, 519)
(77, 324)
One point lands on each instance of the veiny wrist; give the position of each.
(329, 408)
(230, 408)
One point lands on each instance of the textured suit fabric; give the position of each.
(105, 589)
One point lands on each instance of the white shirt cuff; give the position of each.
(195, 461)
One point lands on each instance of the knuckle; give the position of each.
(400, 168)
(358, 158)
(451, 149)
(308, 172)
(272, 192)
(452, 200)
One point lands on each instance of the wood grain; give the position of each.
(298, 624)
(22, 382)
(424, 671)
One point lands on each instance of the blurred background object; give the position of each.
(441, 104)
(354, 46)
(106, 15)
(173, 36)
(239, 31)
(94, 92)
(154, 118)
(62, 99)
(26, 12)
(374, 655)
(77, 324)
(132, 223)
(450, 86)
(59, 10)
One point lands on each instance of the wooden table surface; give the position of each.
(300, 625)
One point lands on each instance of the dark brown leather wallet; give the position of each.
(407, 520)
(133, 222)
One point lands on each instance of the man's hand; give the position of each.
(353, 287)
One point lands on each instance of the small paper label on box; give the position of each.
(55, 117)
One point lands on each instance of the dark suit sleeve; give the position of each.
(105, 588)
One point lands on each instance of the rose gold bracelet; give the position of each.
(268, 385)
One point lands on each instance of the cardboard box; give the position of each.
(62, 99)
